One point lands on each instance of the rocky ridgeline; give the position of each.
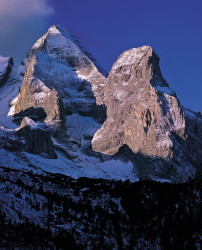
(141, 119)
(145, 114)
(141, 109)
(61, 77)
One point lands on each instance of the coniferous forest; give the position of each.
(54, 211)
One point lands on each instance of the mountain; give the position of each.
(58, 67)
(90, 160)
(70, 117)
(145, 114)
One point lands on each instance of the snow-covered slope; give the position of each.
(64, 96)
(6, 64)
(67, 65)
(8, 97)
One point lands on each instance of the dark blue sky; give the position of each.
(173, 28)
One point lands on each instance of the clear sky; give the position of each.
(107, 28)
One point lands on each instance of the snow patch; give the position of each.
(129, 57)
(79, 126)
(8, 100)
(3, 64)
(165, 90)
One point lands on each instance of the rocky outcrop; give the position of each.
(35, 139)
(36, 114)
(146, 134)
(143, 112)
(61, 77)
(193, 143)
(34, 93)
(6, 64)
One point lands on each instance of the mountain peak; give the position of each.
(60, 30)
(132, 56)
(144, 61)
(141, 109)
(54, 29)
(60, 73)
(130, 119)
(61, 43)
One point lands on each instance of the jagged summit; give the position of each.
(57, 65)
(60, 42)
(70, 36)
(146, 63)
(128, 125)
(145, 114)
(132, 56)
(141, 108)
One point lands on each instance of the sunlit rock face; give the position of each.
(145, 114)
(129, 125)
(142, 111)
(34, 93)
(6, 64)
(61, 77)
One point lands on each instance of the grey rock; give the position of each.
(61, 77)
(34, 93)
(145, 114)
(36, 139)
(139, 120)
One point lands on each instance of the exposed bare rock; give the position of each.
(35, 93)
(147, 133)
(193, 142)
(6, 64)
(139, 113)
(61, 77)
(36, 139)
(144, 113)
(36, 114)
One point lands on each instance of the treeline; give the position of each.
(101, 214)
(30, 236)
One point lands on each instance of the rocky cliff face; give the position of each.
(145, 114)
(34, 93)
(6, 64)
(35, 139)
(142, 112)
(129, 125)
(61, 77)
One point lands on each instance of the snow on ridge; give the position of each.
(8, 99)
(54, 29)
(121, 95)
(59, 37)
(131, 56)
(3, 64)
(111, 170)
(13, 104)
(165, 90)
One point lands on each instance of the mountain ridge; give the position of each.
(87, 117)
